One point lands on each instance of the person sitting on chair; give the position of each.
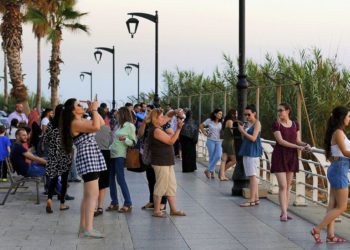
(19, 155)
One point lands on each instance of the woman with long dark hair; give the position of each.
(211, 128)
(337, 147)
(228, 158)
(188, 141)
(124, 137)
(58, 160)
(89, 159)
(285, 162)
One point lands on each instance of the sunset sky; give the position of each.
(193, 34)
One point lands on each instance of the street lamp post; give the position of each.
(239, 178)
(132, 24)
(98, 56)
(82, 76)
(128, 69)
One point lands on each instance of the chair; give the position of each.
(17, 181)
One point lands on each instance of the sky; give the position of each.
(193, 35)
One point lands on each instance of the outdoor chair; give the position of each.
(18, 181)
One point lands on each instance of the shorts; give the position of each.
(103, 181)
(165, 181)
(90, 176)
(337, 173)
(251, 165)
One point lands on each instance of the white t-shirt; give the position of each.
(44, 122)
(213, 129)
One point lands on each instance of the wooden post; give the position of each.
(257, 102)
(225, 102)
(178, 101)
(300, 177)
(200, 107)
(279, 96)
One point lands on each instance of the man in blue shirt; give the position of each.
(20, 157)
(141, 115)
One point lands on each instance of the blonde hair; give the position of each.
(153, 116)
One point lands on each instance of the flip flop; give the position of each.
(247, 204)
(148, 206)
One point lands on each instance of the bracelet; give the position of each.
(94, 110)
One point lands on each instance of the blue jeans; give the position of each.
(215, 151)
(35, 170)
(117, 168)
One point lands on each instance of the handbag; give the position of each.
(132, 158)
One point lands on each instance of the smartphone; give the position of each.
(95, 97)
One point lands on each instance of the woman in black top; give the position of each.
(162, 160)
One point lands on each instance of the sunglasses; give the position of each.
(247, 114)
(79, 105)
(281, 110)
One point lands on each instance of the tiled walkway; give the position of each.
(214, 221)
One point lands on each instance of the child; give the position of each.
(4, 152)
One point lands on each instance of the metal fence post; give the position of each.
(225, 102)
(212, 103)
(189, 102)
(200, 107)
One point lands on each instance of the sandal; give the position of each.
(207, 173)
(212, 175)
(257, 202)
(149, 205)
(288, 217)
(224, 179)
(335, 239)
(159, 215)
(81, 232)
(316, 236)
(98, 212)
(112, 208)
(177, 213)
(247, 204)
(125, 209)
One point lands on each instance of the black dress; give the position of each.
(188, 141)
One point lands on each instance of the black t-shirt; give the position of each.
(18, 160)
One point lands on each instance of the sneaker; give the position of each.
(68, 197)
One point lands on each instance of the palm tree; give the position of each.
(40, 31)
(11, 32)
(61, 15)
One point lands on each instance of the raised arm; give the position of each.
(166, 138)
(88, 126)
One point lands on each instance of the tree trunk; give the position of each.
(11, 32)
(6, 94)
(55, 67)
(38, 84)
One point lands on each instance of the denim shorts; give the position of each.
(337, 173)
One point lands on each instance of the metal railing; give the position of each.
(309, 184)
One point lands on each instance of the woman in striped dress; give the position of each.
(89, 160)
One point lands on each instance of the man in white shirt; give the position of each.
(18, 114)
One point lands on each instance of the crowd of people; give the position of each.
(94, 143)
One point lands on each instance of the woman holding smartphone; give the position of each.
(251, 150)
(89, 160)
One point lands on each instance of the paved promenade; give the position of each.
(214, 221)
